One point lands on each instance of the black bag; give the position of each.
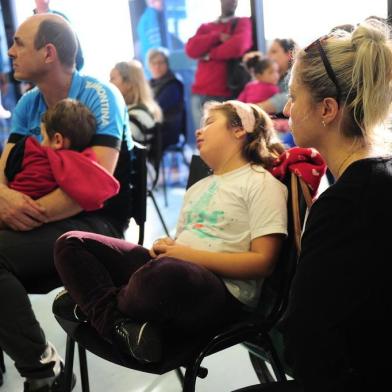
(237, 75)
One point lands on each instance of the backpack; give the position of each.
(237, 74)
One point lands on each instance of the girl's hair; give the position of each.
(258, 64)
(362, 64)
(139, 91)
(261, 146)
(72, 120)
(287, 44)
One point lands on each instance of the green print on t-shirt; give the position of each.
(198, 215)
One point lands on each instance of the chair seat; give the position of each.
(177, 350)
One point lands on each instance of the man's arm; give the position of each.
(58, 205)
(202, 42)
(238, 43)
(275, 104)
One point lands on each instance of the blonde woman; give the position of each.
(144, 112)
(338, 327)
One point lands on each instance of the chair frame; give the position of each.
(254, 330)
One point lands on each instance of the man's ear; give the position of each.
(329, 110)
(50, 53)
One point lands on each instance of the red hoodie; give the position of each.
(38, 170)
(211, 74)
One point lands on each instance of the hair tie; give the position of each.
(245, 113)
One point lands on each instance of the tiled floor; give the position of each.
(228, 370)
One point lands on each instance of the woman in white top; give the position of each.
(144, 112)
(228, 239)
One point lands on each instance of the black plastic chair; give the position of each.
(2, 367)
(285, 386)
(154, 157)
(139, 192)
(189, 353)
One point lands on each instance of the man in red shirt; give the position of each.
(213, 45)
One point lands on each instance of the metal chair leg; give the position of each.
(69, 360)
(193, 371)
(180, 376)
(274, 360)
(164, 186)
(150, 194)
(83, 369)
(2, 364)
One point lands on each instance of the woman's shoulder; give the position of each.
(365, 182)
(258, 178)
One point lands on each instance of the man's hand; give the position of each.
(20, 212)
(224, 37)
(156, 246)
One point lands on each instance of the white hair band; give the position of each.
(245, 113)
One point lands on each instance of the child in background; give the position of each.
(265, 73)
(229, 234)
(62, 159)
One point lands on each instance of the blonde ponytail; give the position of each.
(362, 63)
(371, 75)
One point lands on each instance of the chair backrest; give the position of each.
(197, 170)
(138, 185)
(275, 291)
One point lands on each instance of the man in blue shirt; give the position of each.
(43, 53)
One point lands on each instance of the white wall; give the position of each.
(103, 28)
(306, 20)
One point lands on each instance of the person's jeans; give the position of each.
(27, 266)
(111, 279)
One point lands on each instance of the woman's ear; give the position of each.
(329, 110)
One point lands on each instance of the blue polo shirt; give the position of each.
(108, 106)
(104, 101)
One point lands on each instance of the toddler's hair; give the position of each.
(258, 64)
(72, 120)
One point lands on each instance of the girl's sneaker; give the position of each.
(141, 341)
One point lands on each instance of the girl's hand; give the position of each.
(154, 251)
(176, 251)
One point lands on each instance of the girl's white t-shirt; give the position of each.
(224, 213)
